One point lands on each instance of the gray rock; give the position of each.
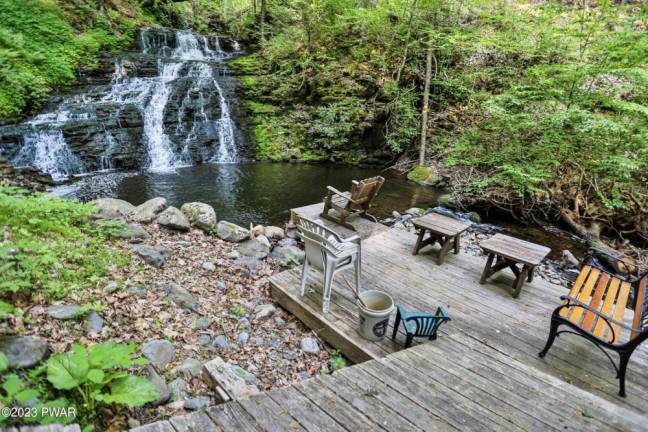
(133, 232)
(153, 255)
(111, 287)
(303, 375)
(287, 254)
(396, 215)
(414, 211)
(111, 208)
(200, 214)
(258, 248)
(159, 383)
(309, 345)
(232, 254)
(243, 323)
(137, 291)
(190, 368)
(274, 342)
(287, 242)
(249, 262)
(64, 312)
(279, 321)
(258, 341)
(178, 388)
(202, 323)
(159, 352)
(231, 232)
(248, 377)
(274, 232)
(220, 342)
(290, 356)
(180, 296)
(24, 351)
(208, 266)
(147, 211)
(220, 285)
(197, 403)
(94, 322)
(204, 339)
(172, 218)
(244, 337)
(264, 311)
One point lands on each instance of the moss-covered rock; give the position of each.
(448, 200)
(425, 175)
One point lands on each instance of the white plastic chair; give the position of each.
(327, 251)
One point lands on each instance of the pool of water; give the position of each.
(259, 193)
(264, 193)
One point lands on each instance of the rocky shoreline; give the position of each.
(195, 292)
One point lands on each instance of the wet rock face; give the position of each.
(103, 119)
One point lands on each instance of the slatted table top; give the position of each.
(441, 224)
(515, 249)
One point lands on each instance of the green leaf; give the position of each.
(110, 354)
(12, 385)
(132, 391)
(27, 395)
(58, 405)
(140, 361)
(96, 375)
(4, 362)
(68, 370)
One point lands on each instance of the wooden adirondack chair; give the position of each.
(356, 202)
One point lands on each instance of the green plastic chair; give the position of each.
(419, 324)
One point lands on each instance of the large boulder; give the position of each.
(153, 255)
(231, 232)
(24, 351)
(274, 232)
(173, 218)
(111, 208)
(259, 247)
(147, 211)
(64, 312)
(132, 232)
(200, 214)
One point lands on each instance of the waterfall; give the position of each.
(46, 150)
(172, 72)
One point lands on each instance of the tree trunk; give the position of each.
(263, 18)
(424, 111)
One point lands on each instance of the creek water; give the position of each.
(264, 193)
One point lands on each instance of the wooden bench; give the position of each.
(595, 308)
(442, 229)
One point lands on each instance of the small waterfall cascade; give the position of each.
(160, 108)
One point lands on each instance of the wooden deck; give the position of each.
(486, 315)
(482, 373)
(478, 388)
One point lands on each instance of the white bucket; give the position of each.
(374, 318)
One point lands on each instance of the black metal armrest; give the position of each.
(609, 320)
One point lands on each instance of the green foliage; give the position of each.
(42, 42)
(238, 311)
(80, 379)
(337, 360)
(49, 246)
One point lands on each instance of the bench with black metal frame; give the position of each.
(594, 310)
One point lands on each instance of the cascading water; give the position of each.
(163, 107)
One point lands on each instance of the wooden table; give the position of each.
(508, 252)
(442, 229)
